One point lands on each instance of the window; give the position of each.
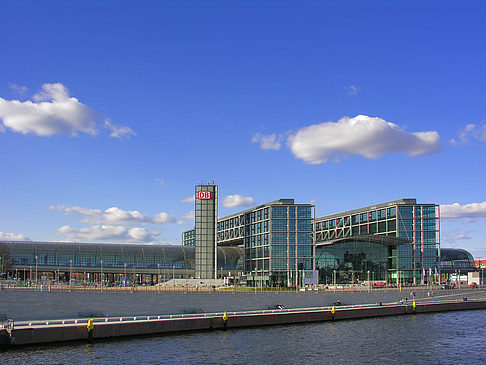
(279, 238)
(381, 214)
(405, 212)
(391, 212)
(279, 212)
(292, 225)
(279, 251)
(429, 212)
(363, 217)
(355, 219)
(430, 224)
(372, 216)
(291, 212)
(304, 212)
(279, 225)
(304, 238)
(304, 225)
(304, 251)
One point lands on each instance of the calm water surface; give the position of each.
(442, 338)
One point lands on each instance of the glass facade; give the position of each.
(139, 257)
(351, 260)
(206, 211)
(416, 223)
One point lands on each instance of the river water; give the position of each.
(441, 338)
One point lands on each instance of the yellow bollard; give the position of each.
(90, 328)
(333, 310)
(225, 319)
(414, 306)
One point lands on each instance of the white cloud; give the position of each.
(352, 90)
(369, 137)
(106, 233)
(160, 181)
(163, 217)
(232, 201)
(189, 215)
(116, 215)
(52, 111)
(456, 210)
(189, 199)
(19, 89)
(7, 236)
(476, 131)
(119, 131)
(181, 222)
(111, 216)
(268, 142)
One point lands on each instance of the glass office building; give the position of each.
(413, 253)
(277, 238)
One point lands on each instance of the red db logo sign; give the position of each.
(204, 195)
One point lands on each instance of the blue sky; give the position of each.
(111, 112)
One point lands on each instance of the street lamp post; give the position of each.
(36, 272)
(334, 279)
(70, 274)
(369, 283)
(125, 278)
(101, 278)
(158, 278)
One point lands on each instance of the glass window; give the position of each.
(319, 226)
(355, 219)
(429, 212)
(279, 212)
(430, 225)
(391, 212)
(372, 216)
(304, 251)
(279, 251)
(363, 217)
(364, 229)
(382, 214)
(291, 212)
(292, 225)
(279, 238)
(279, 225)
(332, 223)
(405, 212)
(392, 225)
(304, 238)
(304, 225)
(304, 212)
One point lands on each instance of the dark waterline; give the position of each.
(441, 338)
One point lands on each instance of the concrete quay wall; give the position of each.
(32, 305)
(57, 333)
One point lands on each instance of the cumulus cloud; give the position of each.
(369, 137)
(51, 112)
(110, 216)
(233, 201)
(456, 210)
(119, 131)
(163, 217)
(7, 236)
(475, 131)
(189, 199)
(106, 233)
(268, 142)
